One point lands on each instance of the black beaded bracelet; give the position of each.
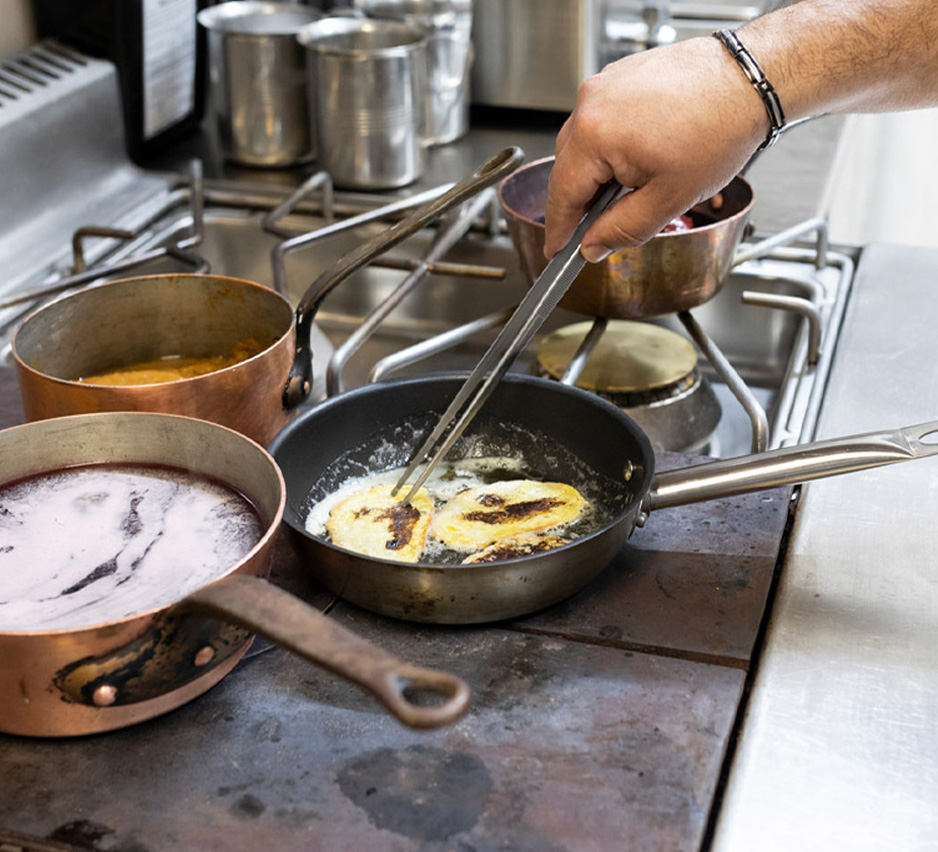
(756, 76)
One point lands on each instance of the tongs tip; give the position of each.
(530, 314)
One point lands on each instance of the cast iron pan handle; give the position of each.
(491, 171)
(269, 611)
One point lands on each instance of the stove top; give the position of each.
(605, 722)
(601, 723)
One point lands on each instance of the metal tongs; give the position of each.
(528, 317)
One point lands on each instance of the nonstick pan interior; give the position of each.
(378, 428)
(563, 434)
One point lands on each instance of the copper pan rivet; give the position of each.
(204, 656)
(104, 696)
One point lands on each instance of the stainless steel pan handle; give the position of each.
(790, 466)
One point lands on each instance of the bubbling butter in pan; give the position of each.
(507, 462)
(94, 544)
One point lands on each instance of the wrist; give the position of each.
(744, 122)
(762, 87)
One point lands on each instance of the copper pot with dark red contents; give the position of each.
(672, 272)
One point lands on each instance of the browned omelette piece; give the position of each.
(477, 517)
(374, 523)
(515, 546)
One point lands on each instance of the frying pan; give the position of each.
(67, 681)
(564, 434)
(148, 317)
(671, 272)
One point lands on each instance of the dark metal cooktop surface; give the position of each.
(599, 724)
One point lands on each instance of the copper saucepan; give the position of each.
(64, 681)
(117, 324)
(672, 272)
(147, 318)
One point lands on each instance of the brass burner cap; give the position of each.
(629, 357)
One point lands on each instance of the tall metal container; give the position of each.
(367, 83)
(450, 56)
(534, 54)
(258, 81)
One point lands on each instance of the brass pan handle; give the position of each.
(491, 171)
(265, 609)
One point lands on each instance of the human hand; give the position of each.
(675, 123)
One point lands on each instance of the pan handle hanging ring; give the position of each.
(270, 611)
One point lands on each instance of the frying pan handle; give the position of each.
(790, 466)
(269, 611)
(491, 171)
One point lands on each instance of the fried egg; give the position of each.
(478, 517)
(374, 523)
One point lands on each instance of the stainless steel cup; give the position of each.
(368, 86)
(258, 81)
(449, 58)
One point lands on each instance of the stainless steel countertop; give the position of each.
(840, 746)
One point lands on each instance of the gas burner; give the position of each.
(648, 371)
(634, 362)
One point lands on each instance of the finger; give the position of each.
(574, 181)
(632, 220)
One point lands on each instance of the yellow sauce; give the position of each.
(174, 367)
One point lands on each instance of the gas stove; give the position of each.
(764, 343)
(605, 722)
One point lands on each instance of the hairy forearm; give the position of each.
(678, 122)
(830, 56)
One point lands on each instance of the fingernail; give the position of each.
(595, 253)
